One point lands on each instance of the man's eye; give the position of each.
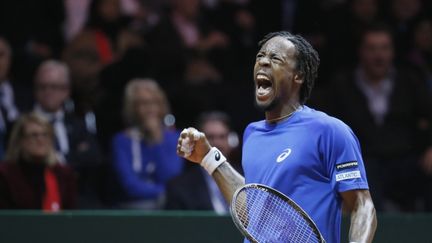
(260, 55)
(277, 59)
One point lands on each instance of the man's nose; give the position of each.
(264, 61)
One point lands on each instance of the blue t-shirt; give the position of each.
(310, 157)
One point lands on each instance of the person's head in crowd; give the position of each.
(103, 12)
(52, 85)
(32, 140)
(216, 126)
(84, 60)
(423, 35)
(376, 51)
(145, 107)
(405, 10)
(365, 10)
(188, 9)
(5, 59)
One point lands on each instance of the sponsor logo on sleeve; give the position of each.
(346, 165)
(348, 175)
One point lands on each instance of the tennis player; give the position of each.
(309, 156)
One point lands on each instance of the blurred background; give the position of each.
(93, 94)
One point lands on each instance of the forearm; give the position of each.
(228, 180)
(363, 221)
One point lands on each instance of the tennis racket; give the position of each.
(263, 214)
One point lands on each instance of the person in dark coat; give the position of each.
(32, 177)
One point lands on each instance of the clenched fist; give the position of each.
(193, 145)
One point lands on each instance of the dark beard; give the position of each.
(268, 107)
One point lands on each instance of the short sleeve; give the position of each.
(343, 160)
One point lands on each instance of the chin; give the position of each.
(267, 105)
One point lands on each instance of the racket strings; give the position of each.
(268, 218)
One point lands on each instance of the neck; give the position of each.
(284, 112)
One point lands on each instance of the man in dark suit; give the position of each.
(75, 145)
(389, 109)
(195, 189)
(8, 111)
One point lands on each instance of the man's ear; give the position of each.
(298, 78)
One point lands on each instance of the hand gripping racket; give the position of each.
(263, 214)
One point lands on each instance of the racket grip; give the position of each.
(212, 160)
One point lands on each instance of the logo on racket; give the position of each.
(283, 155)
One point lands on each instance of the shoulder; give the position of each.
(258, 125)
(254, 126)
(122, 136)
(121, 140)
(323, 123)
(171, 133)
(7, 168)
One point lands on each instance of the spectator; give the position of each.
(421, 53)
(83, 57)
(75, 145)
(76, 13)
(195, 189)
(183, 36)
(402, 15)
(106, 21)
(8, 111)
(344, 28)
(389, 109)
(32, 177)
(144, 155)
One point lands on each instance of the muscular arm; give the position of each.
(228, 180)
(363, 217)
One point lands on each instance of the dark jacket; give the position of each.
(22, 185)
(189, 191)
(406, 127)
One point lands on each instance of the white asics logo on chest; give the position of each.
(283, 155)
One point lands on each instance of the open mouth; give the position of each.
(264, 86)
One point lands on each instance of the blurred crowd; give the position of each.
(93, 94)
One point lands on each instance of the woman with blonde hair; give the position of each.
(144, 156)
(31, 177)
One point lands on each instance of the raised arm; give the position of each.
(363, 216)
(193, 146)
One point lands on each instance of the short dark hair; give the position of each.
(375, 27)
(307, 60)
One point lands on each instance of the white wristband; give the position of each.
(212, 160)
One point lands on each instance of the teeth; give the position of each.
(262, 77)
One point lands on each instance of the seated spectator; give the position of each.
(144, 155)
(32, 177)
(84, 57)
(195, 189)
(389, 109)
(75, 145)
(8, 110)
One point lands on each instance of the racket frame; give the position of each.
(279, 194)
